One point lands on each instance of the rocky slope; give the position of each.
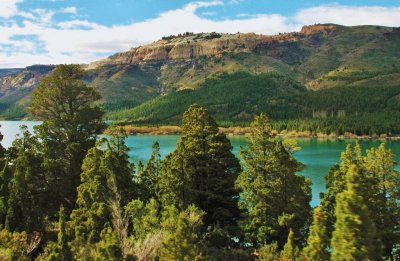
(318, 57)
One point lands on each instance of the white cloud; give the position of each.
(8, 8)
(350, 15)
(79, 24)
(69, 10)
(82, 41)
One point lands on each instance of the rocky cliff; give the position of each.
(319, 56)
(20, 79)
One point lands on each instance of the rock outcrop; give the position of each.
(25, 79)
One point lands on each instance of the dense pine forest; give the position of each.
(234, 98)
(66, 194)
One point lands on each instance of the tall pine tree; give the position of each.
(290, 251)
(28, 196)
(273, 196)
(318, 239)
(148, 178)
(71, 123)
(201, 170)
(384, 195)
(354, 237)
(380, 185)
(106, 172)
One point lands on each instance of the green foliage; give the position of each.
(273, 196)
(380, 185)
(12, 245)
(225, 97)
(269, 252)
(13, 111)
(201, 170)
(70, 128)
(145, 218)
(106, 172)
(182, 238)
(148, 178)
(235, 98)
(384, 195)
(108, 248)
(25, 187)
(5, 178)
(61, 250)
(290, 251)
(354, 237)
(318, 240)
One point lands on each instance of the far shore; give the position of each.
(232, 131)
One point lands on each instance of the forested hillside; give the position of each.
(235, 98)
(67, 194)
(325, 71)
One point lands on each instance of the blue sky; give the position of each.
(81, 31)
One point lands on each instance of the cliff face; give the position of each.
(199, 45)
(23, 79)
(319, 56)
(195, 46)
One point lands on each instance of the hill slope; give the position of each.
(153, 83)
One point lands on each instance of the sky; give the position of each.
(82, 31)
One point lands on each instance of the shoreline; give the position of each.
(243, 131)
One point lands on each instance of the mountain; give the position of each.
(323, 71)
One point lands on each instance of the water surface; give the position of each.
(317, 154)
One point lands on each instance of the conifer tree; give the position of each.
(380, 184)
(182, 239)
(61, 251)
(269, 252)
(26, 203)
(201, 170)
(91, 215)
(105, 165)
(318, 240)
(336, 182)
(108, 248)
(273, 196)
(354, 237)
(5, 178)
(149, 177)
(384, 196)
(71, 123)
(145, 218)
(290, 251)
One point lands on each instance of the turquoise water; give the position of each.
(317, 154)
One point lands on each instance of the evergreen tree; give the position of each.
(269, 252)
(336, 182)
(62, 236)
(380, 185)
(182, 239)
(201, 170)
(108, 248)
(91, 215)
(354, 237)
(26, 201)
(70, 126)
(290, 251)
(384, 196)
(61, 251)
(5, 178)
(107, 173)
(145, 218)
(273, 196)
(149, 177)
(318, 240)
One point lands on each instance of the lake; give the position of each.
(317, 154)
